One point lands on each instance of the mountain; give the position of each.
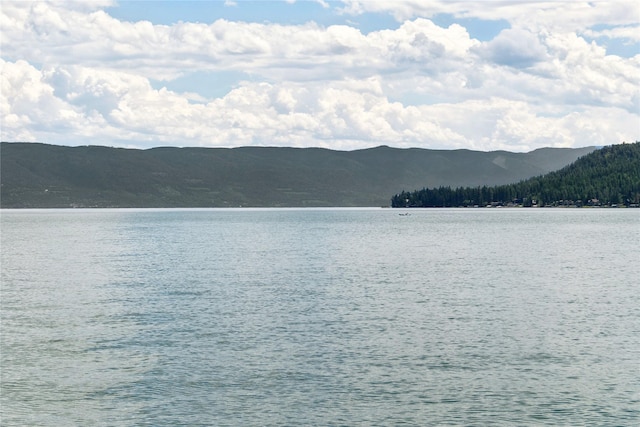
(606, 177)
(42, 175)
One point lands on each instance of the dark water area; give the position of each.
(251, 317)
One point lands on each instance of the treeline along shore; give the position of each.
(608, 177)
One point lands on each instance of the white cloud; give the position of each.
(349, 114)
(73, 74)
(27, 102)
(631, 33)
(531, 14)
(515, 48)
(164, 52)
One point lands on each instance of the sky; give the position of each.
(345, 75)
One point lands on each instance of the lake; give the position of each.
(329, 317)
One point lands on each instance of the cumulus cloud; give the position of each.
(165, 52)
(629, 33)
(531, 14)
(514, 47)
(347, 115)
(73, 74)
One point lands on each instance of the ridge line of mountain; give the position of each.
(41, 175)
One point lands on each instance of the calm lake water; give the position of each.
(251, 317)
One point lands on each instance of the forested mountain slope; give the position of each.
(41, 175)
(606, 177)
